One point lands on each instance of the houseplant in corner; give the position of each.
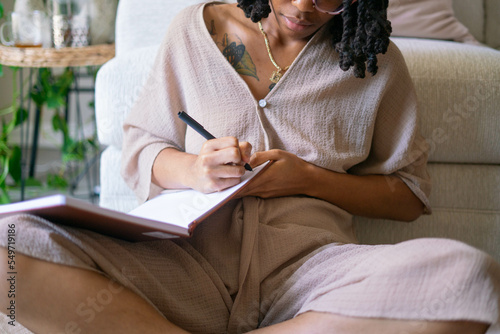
(10, 154)
(48, 92)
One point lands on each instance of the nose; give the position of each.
(303, 5)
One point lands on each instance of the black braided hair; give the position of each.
(255, 9)
(358, 35)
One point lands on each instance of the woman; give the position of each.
(282, 258)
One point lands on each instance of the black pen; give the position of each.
(201, 130)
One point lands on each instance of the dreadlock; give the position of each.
(358, 35)
(255, 9)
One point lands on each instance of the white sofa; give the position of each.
(458, 87)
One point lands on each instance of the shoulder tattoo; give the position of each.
(235, 52)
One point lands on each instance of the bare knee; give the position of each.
(55, 298)
(9, 271)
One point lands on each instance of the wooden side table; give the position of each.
(35, 58)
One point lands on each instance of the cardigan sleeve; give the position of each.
(152, 124)
(397, 148)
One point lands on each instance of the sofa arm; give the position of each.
(118, 84)
(115, 194)
(458, 90)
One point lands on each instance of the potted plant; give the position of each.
(49, 92)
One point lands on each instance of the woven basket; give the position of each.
(93, 55)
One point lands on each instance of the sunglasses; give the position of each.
(329, 6)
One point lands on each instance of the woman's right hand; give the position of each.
(218, 166)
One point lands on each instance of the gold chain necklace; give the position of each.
(276, 76)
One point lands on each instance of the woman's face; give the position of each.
(298, 18)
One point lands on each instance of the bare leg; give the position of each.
(52, 298)
(315, 322)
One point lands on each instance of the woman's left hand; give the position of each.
(375, 196)
(288, 175)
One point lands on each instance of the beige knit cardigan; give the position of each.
(317, 111)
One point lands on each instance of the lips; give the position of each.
(296, 24)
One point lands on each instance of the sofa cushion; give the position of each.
(466, 187)
(471, 13)
(427, 19)
(492, 28)
(476, 228)
(465, 200)
(458, 88)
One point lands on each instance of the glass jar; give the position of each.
(28, 6)
(69, 23)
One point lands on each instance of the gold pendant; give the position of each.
(275, 77)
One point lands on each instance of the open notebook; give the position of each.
(171, 214)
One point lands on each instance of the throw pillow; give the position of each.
(427, 19)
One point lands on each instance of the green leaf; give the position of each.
(68, 144)
(4, 167)
(7, 128)
(38, 97)
(20, 116)
(246, 66)
(66, 80)
(4, 195)
(1, 69)
(15, 164)
(59, 124)
(52, 90)
(4, 148)
(55, 101)
(75, 151)
(1, 12)
(57, 181)
(32, 182)
(4, 138)
(69, 157)
(56, 123)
